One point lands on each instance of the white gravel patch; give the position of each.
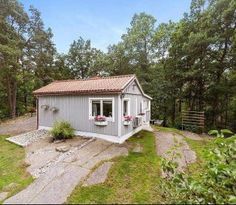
(28, 138)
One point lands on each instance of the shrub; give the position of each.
(217, 185)
(62, 130)
(221, 133)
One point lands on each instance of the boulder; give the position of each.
(63, 149)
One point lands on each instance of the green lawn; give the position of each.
(12, 167)
(136, 177)
(132, 179)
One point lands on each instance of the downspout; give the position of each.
(37, 110)
(119, 114)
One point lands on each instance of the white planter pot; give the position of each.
(126, 123)
(101, 123)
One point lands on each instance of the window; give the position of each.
(96, 108)
(103, 106)
(146, 104)
(126, 107)
(141, 107)
(107, 108)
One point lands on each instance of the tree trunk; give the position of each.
(11, 93)
(173, 112)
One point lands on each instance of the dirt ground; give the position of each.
(18, 126)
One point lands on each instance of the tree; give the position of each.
(82, 58)
(13, 22)
(139, 43)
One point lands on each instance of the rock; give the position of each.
(138, 149)
(11, 186)
(58, 141)
(62, 149)
(3, 195)
(99, 175)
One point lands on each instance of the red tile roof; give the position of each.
(103, 85)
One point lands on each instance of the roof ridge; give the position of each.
(105, 77)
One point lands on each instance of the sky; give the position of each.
(101, 21)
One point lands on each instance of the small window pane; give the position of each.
(107, 108)
(140, 107)
(125, 108)
(145, 104)
(96, 108)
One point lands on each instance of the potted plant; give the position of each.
(127, 120)
(100, 120)
(54, 109)
(45, 107)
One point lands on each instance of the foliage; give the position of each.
(83, 59)
(186, 65)
(217, 184)
(220, 133)
(12, 167)
(62, 130)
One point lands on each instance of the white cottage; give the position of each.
(112, 108)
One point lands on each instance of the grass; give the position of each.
(12, 167)
(132, 179)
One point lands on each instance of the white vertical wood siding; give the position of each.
(75, 109)
(134, 94)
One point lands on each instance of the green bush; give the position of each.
(221, 133)
(217, 185)
(62, 130)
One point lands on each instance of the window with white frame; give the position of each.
(146, 104)
(96, 107)
(107, 108)
(126, 107)
(101, 106)
(141, 107)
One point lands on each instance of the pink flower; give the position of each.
(100, 118)
(128, 118)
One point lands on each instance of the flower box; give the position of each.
(126, 123)
(127, 120)
(100, 120)
(101, 123)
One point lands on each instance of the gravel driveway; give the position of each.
(18, 126)
(58, 173)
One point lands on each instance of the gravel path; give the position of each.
(57, 173)
(28, 138)
(193, 136)
(172, 146)
(18, 126)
